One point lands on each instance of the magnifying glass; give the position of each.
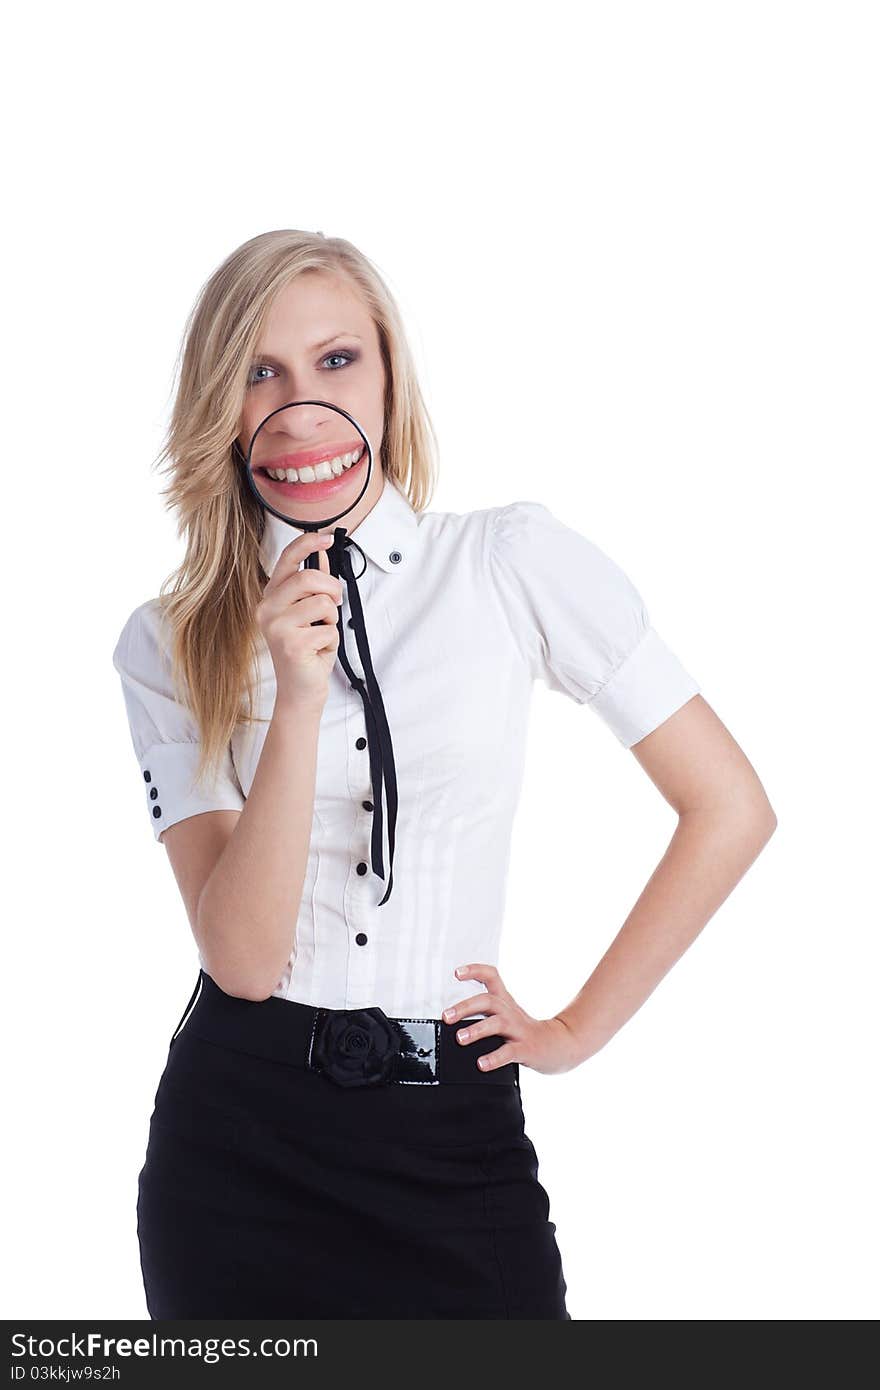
(308, 451)
(312, 452)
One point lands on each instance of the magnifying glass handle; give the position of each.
(312, 563)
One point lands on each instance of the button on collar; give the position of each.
(388, 535)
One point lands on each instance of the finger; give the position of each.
(487, 974)
(300, 585)
(478, 1003)
(314, 608)
(483, 1028)
(294, 554)
(497, 1057)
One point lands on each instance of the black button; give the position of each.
(146, 777)
(361, 938)
(350, 622)
(362, 868)
(154, 792)
(157, 811)
(367, 805)
(395, 557)
(360, 743)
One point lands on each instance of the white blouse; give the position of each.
(463, 613)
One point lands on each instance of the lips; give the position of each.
(309, 457)
(305, 492)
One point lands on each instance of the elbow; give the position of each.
(241, 978)
(759, 823)
(764, 820)
(758, 827)
(254, 995)
(751, 818)
(259, 990)
(237, 982)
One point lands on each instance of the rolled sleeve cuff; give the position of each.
(649, 686)
(169, 771)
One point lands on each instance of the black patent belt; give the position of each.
(352, 1047)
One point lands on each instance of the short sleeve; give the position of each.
(580, 623)
(164, 732)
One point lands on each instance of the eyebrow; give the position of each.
(316, 347)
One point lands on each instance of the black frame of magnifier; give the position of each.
(306, 525)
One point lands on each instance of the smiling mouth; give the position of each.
(330, 466)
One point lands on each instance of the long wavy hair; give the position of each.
(208, 603)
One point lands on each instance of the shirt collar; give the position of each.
(388, 535)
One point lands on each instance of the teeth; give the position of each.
(327, 468)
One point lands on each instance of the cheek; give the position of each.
(368, 416)
(246, 427)
(372, 421)
(251, 418)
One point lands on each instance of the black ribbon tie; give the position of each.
(382, 769)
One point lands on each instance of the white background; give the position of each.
(635, 247)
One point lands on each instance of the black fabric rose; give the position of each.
(355, 1047)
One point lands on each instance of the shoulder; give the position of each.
(486, 526)
(522, 522)
(143, 639)
(504, 524)
(527, 535)
(528, 522)
(524, 541)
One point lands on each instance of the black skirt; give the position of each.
(270, 1191)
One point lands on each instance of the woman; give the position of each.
(328, 1139)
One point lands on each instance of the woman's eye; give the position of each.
(349, 357)
(261, 367)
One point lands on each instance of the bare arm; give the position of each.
(724, 821)
(247, 909)
(241, 873)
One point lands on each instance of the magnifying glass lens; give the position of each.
(308, 462)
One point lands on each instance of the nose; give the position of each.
(299, 423)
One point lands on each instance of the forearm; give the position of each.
(246, 921)
(705, 859)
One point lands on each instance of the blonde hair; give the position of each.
(209, 601)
